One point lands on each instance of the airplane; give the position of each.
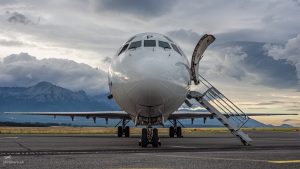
(150, 77)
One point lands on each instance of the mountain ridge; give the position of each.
(45, 96)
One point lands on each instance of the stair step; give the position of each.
(233, 125)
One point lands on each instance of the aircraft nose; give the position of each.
(149, 93)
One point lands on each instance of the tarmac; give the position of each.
(221, 150)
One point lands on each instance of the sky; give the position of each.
(255, 60)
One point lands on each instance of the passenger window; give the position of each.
(149, 43)
(135, 44)
(175, 48)
(123, 49)
(164, 45)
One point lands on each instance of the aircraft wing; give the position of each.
(194, 114)
(92, 114)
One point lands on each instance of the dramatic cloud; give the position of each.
(138, 8)
(25, 70)
(90, 32)
(290, 52)
(245, 61)
(226, 62)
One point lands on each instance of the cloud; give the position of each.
(269, 71)
(289, 52)
(184, 35)
(252, 35)
(17, 17)
(265, 103)
(5, 42)
(244, 61)
(294, 110)
(249, 35)
(225, 62)
(137, 8)
(89, 31)
(291, 120)
(107, 60)
(25, 70)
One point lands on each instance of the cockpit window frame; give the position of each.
(148, 43)
(129, 40)
(160, 44)
(181, 51)
(123, 48)
(139, 44)
(176, 48)
(168, 39)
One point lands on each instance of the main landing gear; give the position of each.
(149, 136)
(175, 130)
(123, 130)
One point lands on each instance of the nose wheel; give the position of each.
(149, 136)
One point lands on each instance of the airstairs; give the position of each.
(212, 99)
(222, 108)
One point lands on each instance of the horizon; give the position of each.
(254, 61)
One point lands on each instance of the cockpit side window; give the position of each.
(164, 45)
(123, 49)
(135, 45)
(149, 43)
(175, 48)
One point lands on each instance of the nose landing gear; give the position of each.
(149, 136)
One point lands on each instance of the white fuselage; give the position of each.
(149, 81)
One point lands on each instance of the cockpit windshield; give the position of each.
(123, 49)
(135, 45)
(164, 45)
(149, 43)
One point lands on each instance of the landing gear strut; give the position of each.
(175, 130)
(149, 136)
(123, 129)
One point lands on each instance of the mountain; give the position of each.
(215, 123)
(286, 126)
(45, 96)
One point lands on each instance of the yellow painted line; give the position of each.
(285, 161)
(234, 159)
(213, 158)
(142, 168)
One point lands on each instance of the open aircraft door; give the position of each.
(201, 46)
